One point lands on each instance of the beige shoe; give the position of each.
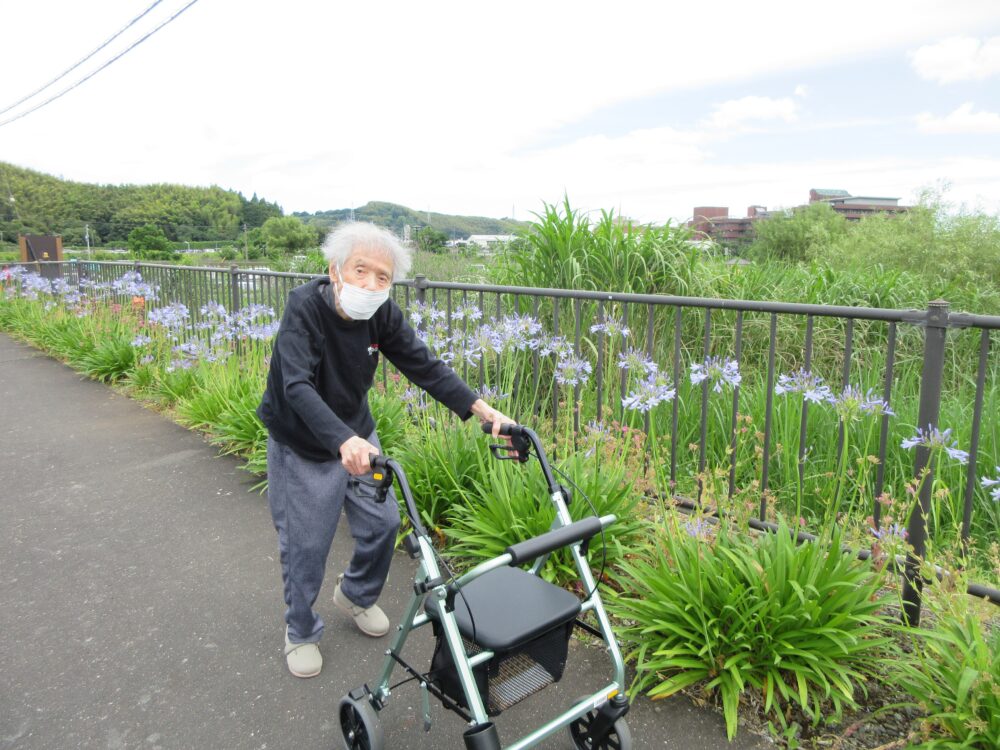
(303, 659)
(370, 621)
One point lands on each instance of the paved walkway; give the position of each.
(140, 602)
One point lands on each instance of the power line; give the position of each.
(88, 77)
(81, 62)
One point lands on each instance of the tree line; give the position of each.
(396, 217)
(36, 203)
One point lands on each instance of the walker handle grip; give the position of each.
(578, 531)
(382, 474)
(519, 446)
(506, 429)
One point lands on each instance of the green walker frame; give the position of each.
(595, 721)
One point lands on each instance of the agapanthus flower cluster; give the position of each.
(995, 484)
(131, 284)
(851, 405)
(8, 273)
(491, 394)
(809, 385)
(717, 371)
(654, 390)
(636, 361)
(936, 439)
(174, 317)
(698, 529)
(425, 312)
(33, 284)
(520, 332)
(894, 532)
(556, 346)
(611, 327)
(467, 311)
(256, 322)
(572, 370)
(414, 399)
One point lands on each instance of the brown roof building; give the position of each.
(715, 223)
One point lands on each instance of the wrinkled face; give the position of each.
(365, 268)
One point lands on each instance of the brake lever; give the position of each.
(518, 449)
(383, 482)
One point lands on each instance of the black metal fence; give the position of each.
(932, 343)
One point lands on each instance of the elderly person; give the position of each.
(321, 432)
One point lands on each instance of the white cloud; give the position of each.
(736, 113)
(959, 58)
(962, 120)
(801, 90)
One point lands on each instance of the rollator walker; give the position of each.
(501, 632)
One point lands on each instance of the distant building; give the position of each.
(715, 223)
(488, 241)
(854, 207)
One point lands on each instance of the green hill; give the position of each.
(43, 204)
(395, 217)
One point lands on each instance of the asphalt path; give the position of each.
(140, 598)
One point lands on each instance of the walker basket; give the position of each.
(510, 676)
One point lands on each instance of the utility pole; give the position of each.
(86, 237)
(246, 245)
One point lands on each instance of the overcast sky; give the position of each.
(490, 109)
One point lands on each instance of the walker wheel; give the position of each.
(618, 738)
(360, 725)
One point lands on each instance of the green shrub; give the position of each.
(510, 503)
(954, 678)
(441, 464)
(564, 251)
(110, 360)
(797, 624)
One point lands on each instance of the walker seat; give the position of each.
(524, 620)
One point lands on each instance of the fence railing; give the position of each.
(908, 358)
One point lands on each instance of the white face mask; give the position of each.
(358, 303)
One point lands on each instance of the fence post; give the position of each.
(420, 284)
(935, 332)
(234, 288)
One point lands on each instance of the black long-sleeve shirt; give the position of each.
(322, 368)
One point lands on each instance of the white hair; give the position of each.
(352, 236)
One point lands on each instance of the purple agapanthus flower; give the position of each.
(131, 284)
(423, 312)
(635, 360)
(896, 531)
(491, 395)
(467, 311)
(611, 327)
(936, 439)
(851, 405)
(995, 484)
(214, 311)
(140, 341)
(802, 381)
(521, 332)
(649, 393)
(698, 529)
(414, 398)
(555, 345)
(717, 371)
(172, 317)
(572, 370)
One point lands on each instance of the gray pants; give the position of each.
(306, 499)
